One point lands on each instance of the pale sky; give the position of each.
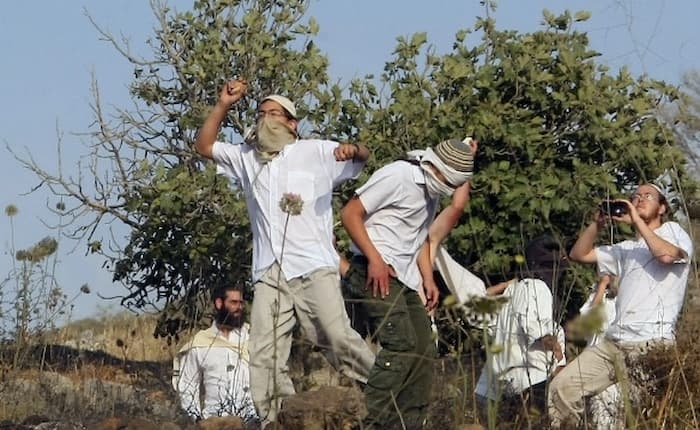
(50, 50)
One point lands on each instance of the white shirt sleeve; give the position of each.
(189, 383)
(382, 189)
(340, 171)
(674, 233)
(608, 257)
(228, 159)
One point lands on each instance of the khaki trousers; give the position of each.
(316, 303)
(595, 369)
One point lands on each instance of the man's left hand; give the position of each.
(631, 216)
(345, 151)
(432, 295)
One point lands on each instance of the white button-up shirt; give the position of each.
(519, 362)
(650, 294)
(224, 375)
(399, 213)
(307, 168)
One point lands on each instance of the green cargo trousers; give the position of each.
(398, 389)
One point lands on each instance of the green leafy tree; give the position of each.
(187, 229)
(558, 133)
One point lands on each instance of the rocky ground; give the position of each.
(61, 388)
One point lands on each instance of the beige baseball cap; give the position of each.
(284, 102)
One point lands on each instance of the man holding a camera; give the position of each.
(653, 272)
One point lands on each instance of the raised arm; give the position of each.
(351, 151)
(583, 250)
(230, 94)
(664, 251)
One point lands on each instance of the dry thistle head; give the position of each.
(450, 301)
(488, 305)
(39, 251)
(11, 210)
(291, 203)
(55, 297)
(478, 311)
(585, 326)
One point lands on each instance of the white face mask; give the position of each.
(436, 188)
(271, 136)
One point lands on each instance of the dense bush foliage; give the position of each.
(558, 133)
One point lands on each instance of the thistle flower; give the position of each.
(488, 305)
(11, 210)
(450, 301)
(42, 249)
(291, 203)
(587, 325)
(479, 311)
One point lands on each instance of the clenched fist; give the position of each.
(233, 91)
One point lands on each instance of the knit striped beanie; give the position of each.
(454, 159)
(456, 154)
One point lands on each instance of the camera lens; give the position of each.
(618, 209)
(611, 208)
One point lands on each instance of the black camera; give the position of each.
(612, 208)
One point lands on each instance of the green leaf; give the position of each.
(418, 39)
(557, 131)
(582, 16)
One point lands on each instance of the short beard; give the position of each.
(228, 320)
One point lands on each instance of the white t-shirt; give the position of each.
(520, 362)
(650, 293)
(223, 373)
(307, 168)
(399, 213)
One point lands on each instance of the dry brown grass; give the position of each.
(121, 348)
(115, 356)
(123, 335)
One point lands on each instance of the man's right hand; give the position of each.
(474, 146)
(378, 273)
(232, 92)
(551, 343)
